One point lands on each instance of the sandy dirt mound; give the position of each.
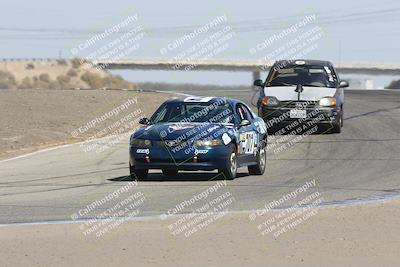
(57, 74)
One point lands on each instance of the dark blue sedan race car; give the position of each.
(199, 133)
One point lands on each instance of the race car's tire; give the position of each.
(273, 129)
(138, 175)
(259, 168)
(170, 172)
(230, 169)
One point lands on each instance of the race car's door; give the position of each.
(248, 136)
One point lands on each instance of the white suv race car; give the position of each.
(302, 90)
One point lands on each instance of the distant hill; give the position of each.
(57, 74)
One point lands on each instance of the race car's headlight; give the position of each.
(327, 102)
(213, 142)
(140, 142)
(269, 101)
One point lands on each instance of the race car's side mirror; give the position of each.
(259, 83)
(344, 84)
(244, 123)
(144, 121)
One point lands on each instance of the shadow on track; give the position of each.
(180, 177)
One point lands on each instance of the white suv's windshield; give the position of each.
(307, 75)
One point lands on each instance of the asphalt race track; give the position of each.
(361, 163)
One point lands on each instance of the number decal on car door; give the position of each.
(248, 141)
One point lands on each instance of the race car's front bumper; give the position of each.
(189, 159)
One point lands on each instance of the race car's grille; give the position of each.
(170, 143)
(299, 104)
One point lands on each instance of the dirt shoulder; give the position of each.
(363, 235)
(35, 119)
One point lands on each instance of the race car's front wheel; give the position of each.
(138, 175)
(230, 170)
(259, 168)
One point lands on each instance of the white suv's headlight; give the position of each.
(269, 101)
(327, 102)
(213, 142)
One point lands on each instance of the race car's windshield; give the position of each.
(193, 112)
(306, 75)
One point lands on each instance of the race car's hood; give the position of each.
(181, 131)
(284, 93)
